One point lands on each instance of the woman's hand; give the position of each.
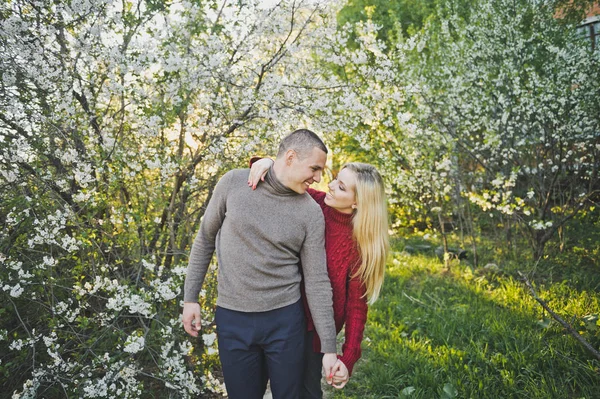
(258, 171)
(340, 375)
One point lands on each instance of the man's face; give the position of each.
(306, 171)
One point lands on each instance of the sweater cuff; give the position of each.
(190, 298)
(328, 346)
(254, 159)
(349, 361)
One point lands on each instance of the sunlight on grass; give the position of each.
(466, 333)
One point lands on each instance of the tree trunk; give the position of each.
(444, 241)
(472, 235)
(538, 245)
(562, 238)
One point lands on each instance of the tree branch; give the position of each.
(556, 317)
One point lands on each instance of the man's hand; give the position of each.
(191, 318)
(329, 361)
(340, 375)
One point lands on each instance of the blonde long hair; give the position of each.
(370, 227)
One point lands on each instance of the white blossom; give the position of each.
(134, 344)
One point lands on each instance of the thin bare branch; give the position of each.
(559, 319)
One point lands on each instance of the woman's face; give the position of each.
(342, 192)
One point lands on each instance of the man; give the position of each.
(261, 238)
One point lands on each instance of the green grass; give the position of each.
(467, 333)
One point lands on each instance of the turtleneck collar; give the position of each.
(337, 216)
(275, 185)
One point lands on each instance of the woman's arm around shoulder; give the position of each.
(258, 169)
(318, 196)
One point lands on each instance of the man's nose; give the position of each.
(317, 177)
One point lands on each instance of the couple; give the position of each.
(273, 242)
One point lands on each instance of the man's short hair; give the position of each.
(302, 141)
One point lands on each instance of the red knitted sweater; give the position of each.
(349, 302)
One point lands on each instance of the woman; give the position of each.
(357, 244)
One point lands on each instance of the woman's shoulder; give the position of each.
(318, 196)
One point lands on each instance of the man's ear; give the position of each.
(290, 155)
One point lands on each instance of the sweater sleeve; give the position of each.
(356, 318)
(316, 282)
(204, 244)
(318, 196)
(253, 159)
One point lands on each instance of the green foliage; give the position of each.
(397, 18)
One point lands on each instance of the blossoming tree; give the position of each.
(513, 93)
(116, 120)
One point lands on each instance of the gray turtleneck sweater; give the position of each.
(262, 238)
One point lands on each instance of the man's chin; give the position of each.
(301, 189)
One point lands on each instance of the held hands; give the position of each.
(336, 373)
(340, 375)
(191, 318)
(258, 171)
